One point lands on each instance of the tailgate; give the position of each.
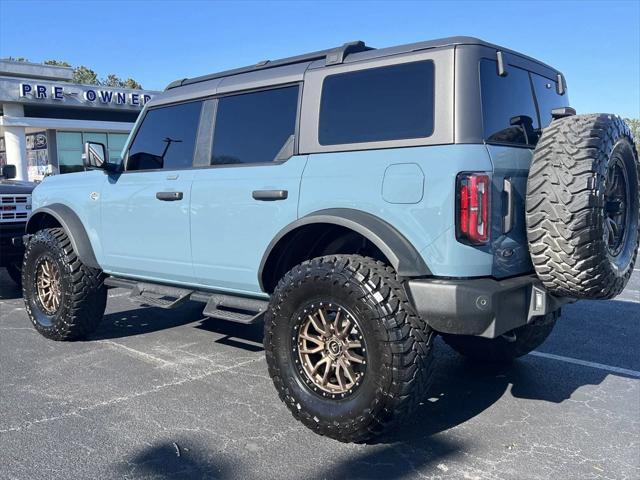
(509, 237)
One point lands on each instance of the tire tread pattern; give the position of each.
(407, 376)
(565, 206)
(83, 304)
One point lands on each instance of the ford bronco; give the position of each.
(359, 202)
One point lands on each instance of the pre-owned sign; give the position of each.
(90, 95)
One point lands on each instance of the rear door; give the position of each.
(249, 189)
(145, 210)
(512, 120)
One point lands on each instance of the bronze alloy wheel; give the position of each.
(48, 286)
(331, 353)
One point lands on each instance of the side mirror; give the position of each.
(95, 155)
(8, 171)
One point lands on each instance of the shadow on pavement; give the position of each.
(173, 460)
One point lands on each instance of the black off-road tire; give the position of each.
(15, 274)
(567, 211)
(507, 347)
(398, 341)
(83, 294)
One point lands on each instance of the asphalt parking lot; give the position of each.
(169, 394)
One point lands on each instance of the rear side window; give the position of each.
(548, 98)
(504, 98)
(166, 138)
(378, 104)
(254, 127)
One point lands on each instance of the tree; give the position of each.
(57, 63)
(85, 75)
(634, 125)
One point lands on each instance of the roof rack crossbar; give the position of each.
(332, 56)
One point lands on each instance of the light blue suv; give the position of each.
(359, 202)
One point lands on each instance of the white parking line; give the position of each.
(584, 363)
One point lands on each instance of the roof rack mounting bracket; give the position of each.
(337, 55)
(502, 70)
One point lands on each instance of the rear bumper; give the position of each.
(481, 306)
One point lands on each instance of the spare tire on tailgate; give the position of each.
(582, 206)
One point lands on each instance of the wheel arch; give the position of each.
(59, 215)
(392, 245)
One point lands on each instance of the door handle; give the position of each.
(169, 196)
(270, 195)
(507, 221)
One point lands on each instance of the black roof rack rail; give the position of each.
(333, 56)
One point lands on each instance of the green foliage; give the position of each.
(634, 125)
(57, 63)
(85, 75)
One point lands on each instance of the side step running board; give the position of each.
(223, 307)
(235, 309)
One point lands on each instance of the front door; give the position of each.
(250, 189)
(145, 210)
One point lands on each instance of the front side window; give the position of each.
(548, 98)
(378, 104)
(166, 138)
(507, 103)
(254, 127)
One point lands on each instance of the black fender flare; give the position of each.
(73, 227)
(403, 256)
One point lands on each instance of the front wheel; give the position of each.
(346, 352)
(507, 347)
(64, 298)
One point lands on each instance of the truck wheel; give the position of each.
(582, 206)
(15, 274)
(346, 352)
(64, 298)
(507, 347)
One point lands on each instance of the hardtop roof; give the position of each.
(347, 53)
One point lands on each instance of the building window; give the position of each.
(166, 138)
(378, 104)
(71, 144)
(254, 127)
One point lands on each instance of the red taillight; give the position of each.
(473, 207)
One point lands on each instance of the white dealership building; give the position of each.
(45, 118)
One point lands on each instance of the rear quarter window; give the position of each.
(378, 104)
(548, 98)
(504, 98)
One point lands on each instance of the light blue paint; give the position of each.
(142, 235)
(354, 180)
(403, 183)
(231, 230)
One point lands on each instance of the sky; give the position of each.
(596, 44)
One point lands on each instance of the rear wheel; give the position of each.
(346, 352)
(507, 347)
(64, 298)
